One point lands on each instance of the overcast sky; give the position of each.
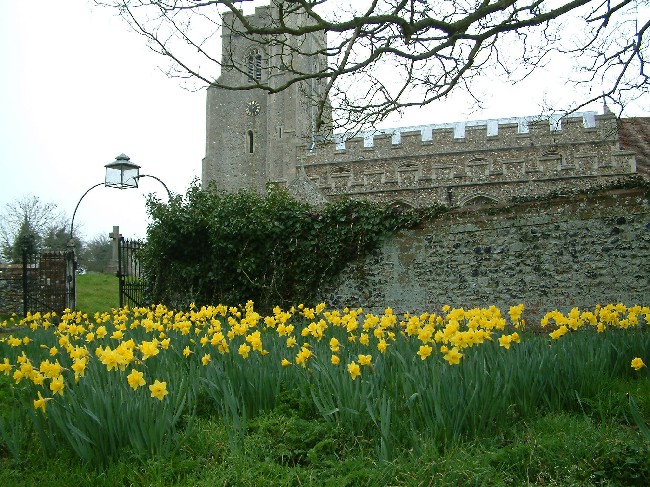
(78, 88)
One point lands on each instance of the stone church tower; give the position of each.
(252, 136)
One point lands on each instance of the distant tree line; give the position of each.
(28, 224)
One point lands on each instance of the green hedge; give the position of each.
(215, 247)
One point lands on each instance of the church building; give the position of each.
(254, 138)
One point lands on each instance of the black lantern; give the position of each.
(122, 173)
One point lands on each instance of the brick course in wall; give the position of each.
(46, 283)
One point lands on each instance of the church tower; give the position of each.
(252, 136)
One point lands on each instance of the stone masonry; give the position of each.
(572, 251)
(471, 163)
(557, 254)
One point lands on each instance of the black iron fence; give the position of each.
(41, 282)
(131, 277)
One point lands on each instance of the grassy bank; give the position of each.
(292, 446)
(97, 293)
(225, 396)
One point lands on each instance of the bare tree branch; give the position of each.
(383, 56)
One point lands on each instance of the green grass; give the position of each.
(97, 293)
(593, 440)
(292, 446)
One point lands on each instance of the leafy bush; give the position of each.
(212, 246)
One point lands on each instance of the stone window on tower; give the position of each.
(254, 65)
(250, 142)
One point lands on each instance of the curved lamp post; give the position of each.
(121, 174)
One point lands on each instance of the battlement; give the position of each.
(586, 125)
(263, 16)
(490, 159)
(261, 13)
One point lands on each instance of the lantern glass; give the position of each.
(122, 173)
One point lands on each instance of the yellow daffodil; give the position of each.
(364, 359)
(285, 362)
(158, 389)
(637, 363)
(354, 370)
(304, 355)
(117, 335)
(135, 379)
(57, 385)
(149, 349)
(504, 341)
(5, 367)
(51, 370)
(37, 378)
(79, 366)
(453, 356)
(205, 360)
(40, 402)
(244, 350)
(561, 331)
(424, 351)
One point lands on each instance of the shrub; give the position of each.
(211, 246)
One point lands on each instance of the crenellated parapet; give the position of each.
(466, 162)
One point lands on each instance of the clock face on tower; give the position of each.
(252, 108)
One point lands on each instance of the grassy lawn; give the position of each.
(584, 430)
(292, 446)
(97, 292)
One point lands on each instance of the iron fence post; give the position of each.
(71, 277)
(120, 276)
(25, 284)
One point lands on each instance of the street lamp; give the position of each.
(122, 173)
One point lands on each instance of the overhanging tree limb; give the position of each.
(386, 55)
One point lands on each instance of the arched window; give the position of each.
(479, 200)
(254, 65)
(401, 205)
(251, 141)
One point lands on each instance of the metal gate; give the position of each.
(46, 278)
(130, 273)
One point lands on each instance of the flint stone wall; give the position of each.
(558, 254)
(11, 289)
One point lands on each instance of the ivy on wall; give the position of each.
(213, 247)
